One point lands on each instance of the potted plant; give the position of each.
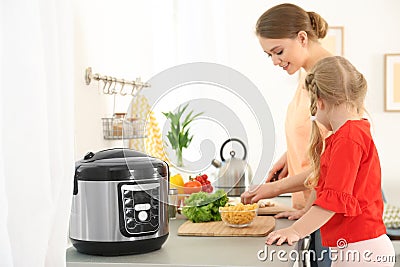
(179, 135)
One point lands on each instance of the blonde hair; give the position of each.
(287, 20)
(336, 81)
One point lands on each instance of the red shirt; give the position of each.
(350, 185)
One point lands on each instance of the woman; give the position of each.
(289, 36)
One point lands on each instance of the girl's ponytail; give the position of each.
(316, 140)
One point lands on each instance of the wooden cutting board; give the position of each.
(277, 208)
(261, 226)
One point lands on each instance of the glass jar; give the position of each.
(118, 122)
(172, 203)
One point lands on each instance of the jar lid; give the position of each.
(172, 191)
(119, 115)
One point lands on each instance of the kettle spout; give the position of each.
(216, 163)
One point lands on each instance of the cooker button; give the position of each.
(142, 216)
(154, 222)
(130, 212)
(128, 202)
(144, 206)
(127, 193)
(130, 223)
(154, 213)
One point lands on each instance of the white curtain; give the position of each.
(36, 138)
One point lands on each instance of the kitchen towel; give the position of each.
(391, 216)
(152, 144)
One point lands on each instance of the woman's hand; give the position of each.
(269, 190)
(281, 236)
(291, 215)
(280, 167)
(253, 195)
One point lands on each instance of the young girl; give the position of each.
(346, 171)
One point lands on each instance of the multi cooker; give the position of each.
(119, 203)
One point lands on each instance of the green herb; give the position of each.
(179, 136)
(204, 207)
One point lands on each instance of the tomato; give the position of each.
(200, 179)
(193, 186)
(205, 183)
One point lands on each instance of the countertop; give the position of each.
(199, 251)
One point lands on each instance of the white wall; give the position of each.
(134, 38)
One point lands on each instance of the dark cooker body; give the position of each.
(119, 204)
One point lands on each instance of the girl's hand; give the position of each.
(280, 167)
(291, 215)
(288, 235)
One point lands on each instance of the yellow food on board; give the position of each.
(265, 203)
(177, 182)
(239, 214)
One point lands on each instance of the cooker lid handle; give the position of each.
(112, 154)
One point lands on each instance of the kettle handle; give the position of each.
(230, 140)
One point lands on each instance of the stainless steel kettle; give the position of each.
(234, 173)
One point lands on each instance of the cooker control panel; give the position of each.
(140, 208)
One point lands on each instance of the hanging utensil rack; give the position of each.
(137, 85)
(119, 126)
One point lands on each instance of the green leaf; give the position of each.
(185, 121)
(183, 140)
(179, 134)
(183, 110)
(189, 119)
